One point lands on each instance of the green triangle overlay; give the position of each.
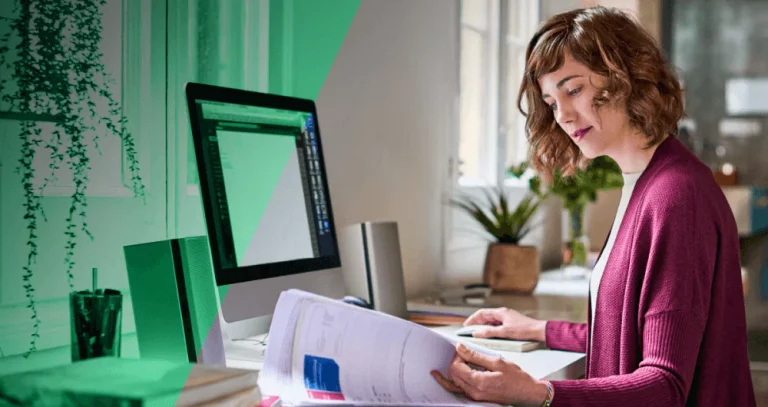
(318, 31)
(305, 37)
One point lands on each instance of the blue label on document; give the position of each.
(321, 374)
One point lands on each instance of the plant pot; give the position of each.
(511, 268)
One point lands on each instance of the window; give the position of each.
(494, 35)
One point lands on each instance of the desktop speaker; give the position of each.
(372, 267)
(175, 302)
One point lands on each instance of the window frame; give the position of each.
(461, 238)
(503, 131)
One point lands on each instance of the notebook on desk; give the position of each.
(504, 345)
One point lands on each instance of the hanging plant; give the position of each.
(58, 76)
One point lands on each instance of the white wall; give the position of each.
(385, 112)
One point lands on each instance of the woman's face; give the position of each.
(569, 92)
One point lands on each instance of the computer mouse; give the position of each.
(470, 329)
(350, 299)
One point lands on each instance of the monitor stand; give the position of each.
(248, 306)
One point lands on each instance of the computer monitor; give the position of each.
(265, 196)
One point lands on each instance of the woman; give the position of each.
(666, 321)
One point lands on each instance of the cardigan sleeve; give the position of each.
(675, 248)
(663, 378)
(567, 336)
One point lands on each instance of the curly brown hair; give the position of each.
(612, 44)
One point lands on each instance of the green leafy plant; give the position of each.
(581, 188)
(58, 76)
(534, 183)
(577, 191)
(503, 222)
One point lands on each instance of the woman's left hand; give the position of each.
(501, 382)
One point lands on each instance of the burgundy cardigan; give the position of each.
(670, 325)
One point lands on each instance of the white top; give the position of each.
(630, 180)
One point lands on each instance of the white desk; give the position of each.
(540, 363)
(555, 298)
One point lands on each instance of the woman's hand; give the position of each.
(501, 382)
(508, 323)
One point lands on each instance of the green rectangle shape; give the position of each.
(156, 301)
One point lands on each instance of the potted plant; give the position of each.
(509, 266)
(57, 75)
(577, 191)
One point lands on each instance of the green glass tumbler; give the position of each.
(96, 323)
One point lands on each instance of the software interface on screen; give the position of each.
(267, 182)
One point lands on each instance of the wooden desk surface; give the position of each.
(544, 307)
(555, 298)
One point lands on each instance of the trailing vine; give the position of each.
(59, 73)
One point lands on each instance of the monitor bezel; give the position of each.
(198, 91)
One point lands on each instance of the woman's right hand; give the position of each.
(508, 324)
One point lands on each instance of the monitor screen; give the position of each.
(262, 182)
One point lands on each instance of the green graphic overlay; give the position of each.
(305, 36)
(151, 50)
